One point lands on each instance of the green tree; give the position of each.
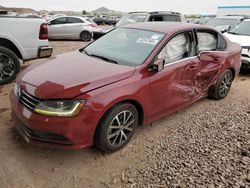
(84, 12)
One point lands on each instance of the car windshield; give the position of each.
(125, 46)
(242, 29)
(221, 22)
(131, 18)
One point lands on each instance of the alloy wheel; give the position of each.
(7, 67)
(121, 128)
(225, 84)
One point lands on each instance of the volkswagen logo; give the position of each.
(17, 90)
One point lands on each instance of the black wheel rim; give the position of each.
(225, 84)
(121, 128)
(7, 67)
(85, 36)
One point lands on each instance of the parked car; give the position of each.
(136, 17)
(132, 76)
(21, 38)
(71, 27)
(99, 20)
(225, 23)
(241, 35)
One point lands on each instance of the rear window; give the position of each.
(168, 18)
(74, 20)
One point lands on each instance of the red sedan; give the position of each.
(132, 76)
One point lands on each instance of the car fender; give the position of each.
(16, 43)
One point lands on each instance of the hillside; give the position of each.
(18, 10)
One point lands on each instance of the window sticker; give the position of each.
(156, 37)
(147, 41)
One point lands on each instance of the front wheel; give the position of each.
(116, 128)
(223, 85)
(85, 36)
(9, 65)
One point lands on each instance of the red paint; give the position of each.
(102, 85)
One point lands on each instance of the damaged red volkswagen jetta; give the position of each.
(131, 76)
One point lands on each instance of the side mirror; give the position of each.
(158, 65)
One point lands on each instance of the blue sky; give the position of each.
(187, 7)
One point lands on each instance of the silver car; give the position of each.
(71, 27)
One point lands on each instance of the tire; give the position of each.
(9, 65)
(223, 85)
(85, 36)
(111, 137)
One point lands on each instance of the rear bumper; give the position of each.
(44, 51)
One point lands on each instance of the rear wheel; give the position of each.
(85, 36)
(116, 128)
(9, 65)
(223, 85)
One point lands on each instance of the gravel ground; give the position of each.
(208, 148)
(204, 145)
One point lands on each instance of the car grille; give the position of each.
(245, 55)
(28, 101)
(46, 137)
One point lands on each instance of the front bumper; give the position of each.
(53, 132)
(44, 51)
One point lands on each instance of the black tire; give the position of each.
(9, 65)
(108, 127)
(223, 85)
(85, 36)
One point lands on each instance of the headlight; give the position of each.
(63, 108)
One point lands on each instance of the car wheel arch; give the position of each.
(135, 103)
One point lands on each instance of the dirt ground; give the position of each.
(23, 165)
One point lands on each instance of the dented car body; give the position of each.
(165, 67)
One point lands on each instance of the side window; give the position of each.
(178, 48)
(207, 41)
(74, 20)
(171, 18)
(59, 21)
(157, 18)
(222, 43)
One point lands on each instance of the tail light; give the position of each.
(92, 25)
(43, 35)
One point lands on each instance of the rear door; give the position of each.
(74, 27)
(213, 54)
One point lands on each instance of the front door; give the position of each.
(57, 28)
(174, 86)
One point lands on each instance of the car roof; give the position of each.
(79, 17)
(156, 12)
(166, 27)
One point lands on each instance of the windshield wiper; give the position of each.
(86, 52)
(104, 58)
(233, 33)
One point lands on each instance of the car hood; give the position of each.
(241, 39)
(69, 75)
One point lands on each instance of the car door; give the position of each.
(212, 55)
(57, 28)
(174, 86)
(74, 27)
